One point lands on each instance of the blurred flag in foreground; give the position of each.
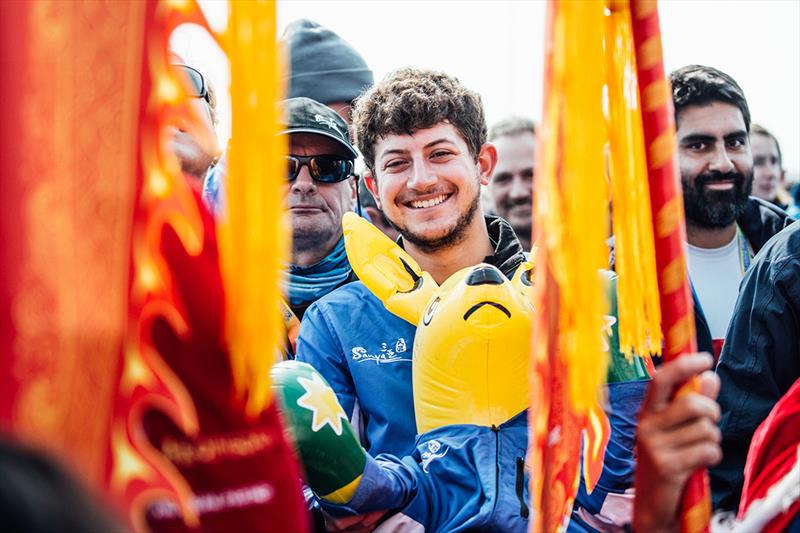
(606, 145)
(121, 353)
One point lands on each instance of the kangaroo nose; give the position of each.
(485, 275)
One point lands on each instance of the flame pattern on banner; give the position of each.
(138, 473)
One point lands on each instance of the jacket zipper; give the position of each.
(496, 458)
(523, 506)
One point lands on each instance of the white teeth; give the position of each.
(418, 204)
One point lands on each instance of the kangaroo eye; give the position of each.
(430, 311)
(526, 277)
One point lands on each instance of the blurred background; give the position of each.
(497, 48)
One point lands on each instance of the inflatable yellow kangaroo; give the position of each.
(469, 372)
(472, 330)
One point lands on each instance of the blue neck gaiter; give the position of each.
(311, 283)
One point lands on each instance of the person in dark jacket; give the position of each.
(724, 226)
(761, 357)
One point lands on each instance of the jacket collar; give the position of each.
(760, 221)
(508, 252)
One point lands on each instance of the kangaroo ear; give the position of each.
(386, 269)
(523, 278)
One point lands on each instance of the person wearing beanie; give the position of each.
(324, 67)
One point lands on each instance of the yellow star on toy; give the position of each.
(321, 400)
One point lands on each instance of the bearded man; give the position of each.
(725, 226)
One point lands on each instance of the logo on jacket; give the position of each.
(433, 452)
(389, 353)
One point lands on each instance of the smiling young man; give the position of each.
(725, 227)
(423, 138)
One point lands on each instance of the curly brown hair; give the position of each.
(411, 99)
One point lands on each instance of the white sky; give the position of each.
(497, 48)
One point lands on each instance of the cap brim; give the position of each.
(324, 134)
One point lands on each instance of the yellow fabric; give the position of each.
(343, 494)
(252, 234)
(571, 196)
(638, 297)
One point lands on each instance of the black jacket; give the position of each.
(761, 357)
(759, 222)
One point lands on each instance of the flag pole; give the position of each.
(666, 203)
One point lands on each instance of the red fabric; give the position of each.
(242, 472)
(717, 346)
(773, 452)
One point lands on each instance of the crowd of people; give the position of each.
(413, 155)
(426, 170)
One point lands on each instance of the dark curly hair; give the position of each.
(409, 100)
(700, 85)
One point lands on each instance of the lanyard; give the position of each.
(745, 252)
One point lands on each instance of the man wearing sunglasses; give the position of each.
(319, 190)
(195, 145)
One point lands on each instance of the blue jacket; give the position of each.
(364, 352)
(467, 477)
(457, 478)
(610, 504)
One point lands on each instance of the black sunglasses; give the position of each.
(323, 168)
(197, 83)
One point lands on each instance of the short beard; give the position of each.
(451, 238)
(715, 209)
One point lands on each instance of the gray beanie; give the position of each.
(323, 66)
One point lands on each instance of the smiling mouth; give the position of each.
(721, 185)
(431, 202)
(481, 304)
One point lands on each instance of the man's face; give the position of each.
(194, 154)
(428, 184)
(716, 164)
(316, 208)
(511, 186)
(194, 142)
(767, 171)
